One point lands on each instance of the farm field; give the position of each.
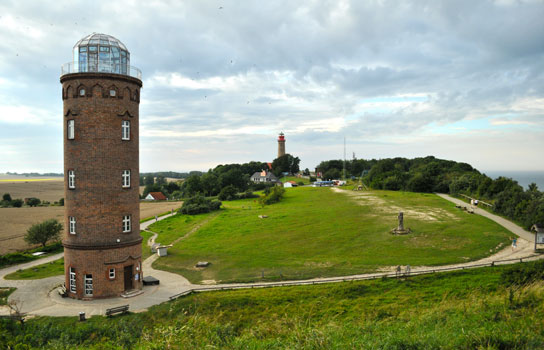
(477, 309)
(48, 189)
(15, 221)
(320, 232)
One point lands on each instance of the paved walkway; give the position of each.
(509, 225)
(39, 297)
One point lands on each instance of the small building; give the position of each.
(264, 177)
(155, 196)
(288, 184)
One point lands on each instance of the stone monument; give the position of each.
(400, 230)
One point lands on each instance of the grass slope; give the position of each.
(317, 232)
(53, 268)
(458, 310)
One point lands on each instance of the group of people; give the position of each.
(398, 271)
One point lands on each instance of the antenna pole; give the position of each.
(344, 174)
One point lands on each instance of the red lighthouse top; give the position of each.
(281, 137)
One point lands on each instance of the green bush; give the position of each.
(228, 193)
(17, 203)
(273, 195)
(33, 202)
(199, 204)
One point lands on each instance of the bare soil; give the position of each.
(48, 189)
(16, 221)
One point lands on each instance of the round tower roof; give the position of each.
(101, 40)
(101, 53)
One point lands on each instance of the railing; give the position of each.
(70, 67)
(355, 278)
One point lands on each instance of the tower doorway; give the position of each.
(128, 277)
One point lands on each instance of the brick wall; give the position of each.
(98, 156)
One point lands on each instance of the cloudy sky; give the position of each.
(460, 80)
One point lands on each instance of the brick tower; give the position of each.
(102, 242)
(281, 145)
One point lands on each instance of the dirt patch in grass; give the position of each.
(385, 206)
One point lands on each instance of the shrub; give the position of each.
(61, 202)
(300, 183)
(228, 193)
(273, 195)
(17, 203)
(6, 197)
(33, 202)
(199, 204)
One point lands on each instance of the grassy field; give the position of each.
(53, 268)
(16, 221)
(295, 179)
(473, 309)
(317, 232)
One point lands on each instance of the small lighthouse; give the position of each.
(281, 145)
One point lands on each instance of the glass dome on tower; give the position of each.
(101, 53)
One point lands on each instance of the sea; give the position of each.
(524, 178)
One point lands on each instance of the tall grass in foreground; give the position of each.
(478, 309)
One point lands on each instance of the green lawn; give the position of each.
(177, 226)
(473, 309)
(318, 232)
(53, 268)
(295, 179)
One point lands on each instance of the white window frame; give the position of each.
(82, 92)
(89, 285)
(126, 178)
(72, 280)
(126, 224)
(113, 93)
(71, 129)
(71, 179)
(72, 225)
(111, 274)
(125, 130)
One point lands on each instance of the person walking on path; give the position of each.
(514, 243)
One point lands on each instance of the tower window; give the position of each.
(71, 129)
(89, 285)
(126, 130)
(113, 93)
(112, 274)
(126, 223)
(71, 179)
(72, 227)
(72, 280)
(126, 178)
(82, 92)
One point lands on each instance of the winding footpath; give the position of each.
(39, 297)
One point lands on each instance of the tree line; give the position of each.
(430, 174)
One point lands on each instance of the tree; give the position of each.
(33, 202)
(192, 186)
(149, 180)
(43, 232)
(17, 203)
(6, 197)
(285, 164)
(228, 193)
(331, 174)
(61, 202)
(160, 180)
